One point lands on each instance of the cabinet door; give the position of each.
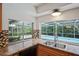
(47, 51)
(0, 17)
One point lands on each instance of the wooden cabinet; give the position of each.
(0, 17)
(47, 51)
(31, 51)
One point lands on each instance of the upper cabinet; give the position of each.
(0, 17)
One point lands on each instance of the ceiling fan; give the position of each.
(56, 12)
(61, 9)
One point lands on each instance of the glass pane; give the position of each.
(27, 31)
(50, 30)
(14, 31)
(43, 30)
(77, 30)
(59, 29)
(68, 28)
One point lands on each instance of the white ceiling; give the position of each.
(49, 6)
(36, 4)
(18, 11)
(28, 10)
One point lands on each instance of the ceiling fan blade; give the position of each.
(69, 6)
(44, 13)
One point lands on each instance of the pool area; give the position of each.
(64, 39)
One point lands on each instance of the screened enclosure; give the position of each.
(19, 30)
(65, 30)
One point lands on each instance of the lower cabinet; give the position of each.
(29, 52)
(41, 50)
(48, 51)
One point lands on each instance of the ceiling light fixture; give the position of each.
(56, 12)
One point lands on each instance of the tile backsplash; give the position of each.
(3, 38)
(35, 34)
